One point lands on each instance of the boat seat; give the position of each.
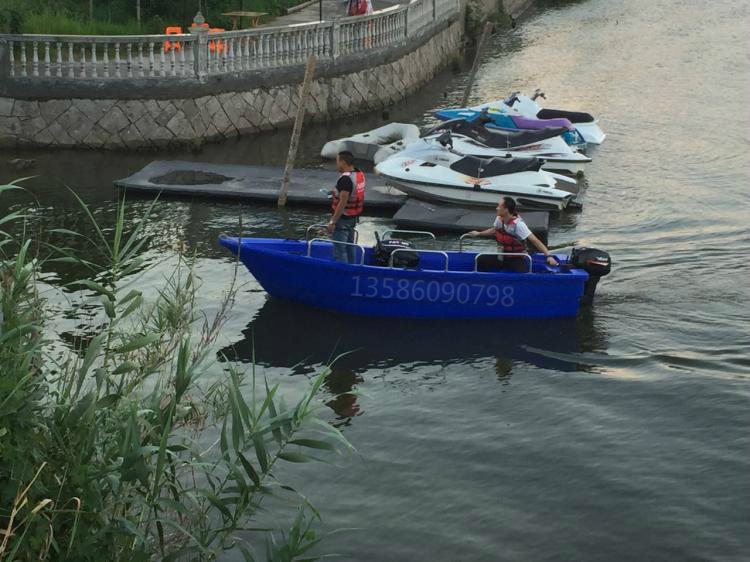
(483, 168)
(572, 116)
(505, 139)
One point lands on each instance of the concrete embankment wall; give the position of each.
(141, 115)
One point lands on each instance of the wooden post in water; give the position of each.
(303, 93)
(477, 57)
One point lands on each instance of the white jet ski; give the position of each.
(472, 138)
(525, 106)
(431, 169)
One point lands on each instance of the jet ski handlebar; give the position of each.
(511, 99)
(446, 139)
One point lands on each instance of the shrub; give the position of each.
(103, 451)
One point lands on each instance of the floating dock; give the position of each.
(248, 183)
(310, 187)
(420, 215)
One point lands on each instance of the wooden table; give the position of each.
(254, 17)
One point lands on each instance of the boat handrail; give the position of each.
(323, 227)
(461, 241)
(417, 250)
(519, 254)
(310, 242)
(401, 231)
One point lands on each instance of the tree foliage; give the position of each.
(113, 16)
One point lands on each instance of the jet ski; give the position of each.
(431, 169)
(515, 123)
(524, 106)
(472, 138)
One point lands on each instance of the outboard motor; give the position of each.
(383, 250)
(596, 263)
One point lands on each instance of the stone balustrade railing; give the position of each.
(200, 53)
(80, 57)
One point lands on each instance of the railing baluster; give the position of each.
(140, 60)
(47, 61)
(117, 60)
(94, 70)
(71, 61)
(151, 62)
(261, 55)
(83, 60)
(182, 59)
(58, 59)
(173, 61)
(105, 59)
(163, 61)
(34, 59)
(23, 59)
(130, 60)
(12, 58)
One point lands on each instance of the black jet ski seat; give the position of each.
(572, 116)
(503, 139)
(490, 167)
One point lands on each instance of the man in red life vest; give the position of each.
(511, 233)
(348, 201)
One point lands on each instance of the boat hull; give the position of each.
(591, 132)
(480, 197)
(285, 271)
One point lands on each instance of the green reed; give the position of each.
(103, 448)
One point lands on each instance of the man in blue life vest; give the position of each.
(511, 233)
(347, 205)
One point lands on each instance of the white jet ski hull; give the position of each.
(553, 152)
(591, 132)
(532, 190)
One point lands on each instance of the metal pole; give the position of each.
(480, 49)
(320, 10)
(303, 94)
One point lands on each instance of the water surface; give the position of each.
(619, 435)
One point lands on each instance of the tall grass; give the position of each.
(104, 452)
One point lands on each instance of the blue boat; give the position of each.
(413, 283)
(506, 122)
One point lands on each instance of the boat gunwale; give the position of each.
(572, 275)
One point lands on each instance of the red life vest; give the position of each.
(510, 244)
(356, 201)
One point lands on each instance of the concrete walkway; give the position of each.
(331, 10)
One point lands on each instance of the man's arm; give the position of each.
(476, 233)
(542, 248)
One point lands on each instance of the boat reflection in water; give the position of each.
(288, 335)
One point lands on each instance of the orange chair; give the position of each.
(217, 45)
(177, 45)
